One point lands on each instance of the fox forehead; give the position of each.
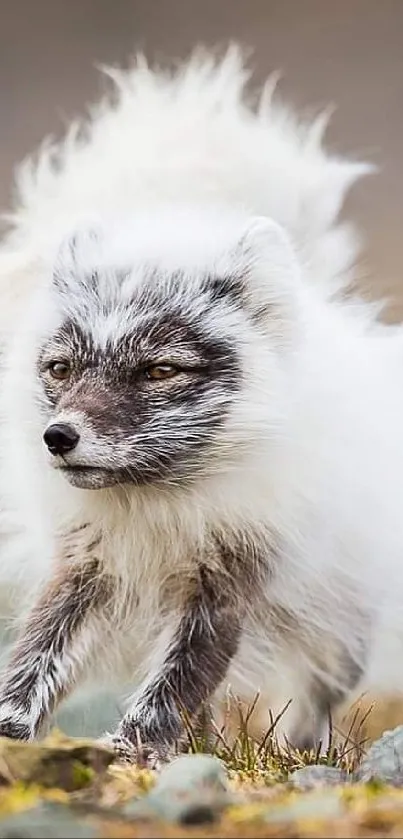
(111, 283)
(166, 313)
(210, 271)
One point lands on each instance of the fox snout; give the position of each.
(60, 438)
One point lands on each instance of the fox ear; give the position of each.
(266, 260)
(72, 257)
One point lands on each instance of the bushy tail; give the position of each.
(193, 133)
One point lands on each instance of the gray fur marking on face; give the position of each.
(146, 430)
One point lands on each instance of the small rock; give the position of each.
(57, 761)
(320, 806)
(190, 790)
(47, 821)
(190, 771)
(311, 777)
(384, 760)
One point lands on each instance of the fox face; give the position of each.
(144, 370)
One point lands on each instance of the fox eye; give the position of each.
(157, 372)
(60, 370)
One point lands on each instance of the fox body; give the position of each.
(201, 446)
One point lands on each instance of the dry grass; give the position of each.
(264, 759)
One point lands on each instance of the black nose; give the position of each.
(61, 438)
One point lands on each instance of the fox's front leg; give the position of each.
(195, 662)
(53, 649)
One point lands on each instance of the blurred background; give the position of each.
(344, 52)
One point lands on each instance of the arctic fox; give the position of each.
(202, 435)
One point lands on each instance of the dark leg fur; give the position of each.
(48, 659)
(194, 665)
(197, 660)
(324, 700)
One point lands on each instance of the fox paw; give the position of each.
(139, 754)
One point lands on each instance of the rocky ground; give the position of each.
(64, 787)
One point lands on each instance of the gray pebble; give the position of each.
(384, 759)
(190, 790)
(323, 804)
(47, 821)
(311, 777)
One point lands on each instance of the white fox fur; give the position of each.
(176, 167)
